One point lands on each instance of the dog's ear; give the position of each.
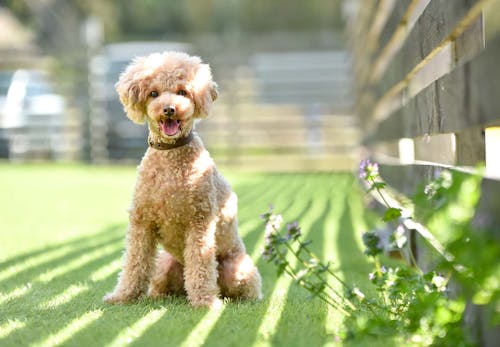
(205, 91)
(214, 91)
(131, 92)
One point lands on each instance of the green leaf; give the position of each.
(391, 213)
(281, 268)
(377, 186)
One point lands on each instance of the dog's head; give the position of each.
(168, 90)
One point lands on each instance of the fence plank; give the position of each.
(392, 23)
(438, 21)
(466, 97)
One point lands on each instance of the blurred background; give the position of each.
(282, 67)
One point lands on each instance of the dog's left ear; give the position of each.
(205, 91)
(214, 91)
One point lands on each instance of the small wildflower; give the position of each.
(368, 170)
(430, 189)
(293, 231)
(439, 282)
(398, 237)
(268, 252)
(273, 225)
(358, 293)
(446, 179)
(268, 214)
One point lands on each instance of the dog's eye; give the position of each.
(153, 94)
(181, 92)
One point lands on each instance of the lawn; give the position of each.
(62, 235)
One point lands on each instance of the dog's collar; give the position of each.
(166, 146)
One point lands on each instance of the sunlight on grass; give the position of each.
(9, 327)
(14, 294)
(133, 332)
(79, 262)
(49, 255)
(199, 333)
(331, 229)
(63, 298)
(359, 225)
(106, 270)
(32, 262)
(72, 328)
(270, 321)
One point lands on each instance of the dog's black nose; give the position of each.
(169, 110)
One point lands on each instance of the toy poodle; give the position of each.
(181, 201)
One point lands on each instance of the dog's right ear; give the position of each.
(131, 92)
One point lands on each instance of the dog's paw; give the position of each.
(114, 298)
(155, 294)
(212, 303)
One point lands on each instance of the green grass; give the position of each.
(62, 235)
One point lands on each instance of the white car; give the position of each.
(31, 114)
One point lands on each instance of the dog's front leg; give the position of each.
(138, 265)
(200, 265)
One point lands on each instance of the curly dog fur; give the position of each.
(181, 201)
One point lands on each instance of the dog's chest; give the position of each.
(167, 196)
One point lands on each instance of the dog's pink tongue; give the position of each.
(170, 127)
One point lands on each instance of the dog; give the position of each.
(181, 202)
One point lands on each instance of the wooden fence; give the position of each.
(427, 80)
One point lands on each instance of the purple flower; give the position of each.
(293, 231)
(267, 215)
(269, 252)
(273, 225)
(368, 169)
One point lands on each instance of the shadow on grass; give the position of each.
(77, 241)
(74, 268)
(352, 261)
(26, 276)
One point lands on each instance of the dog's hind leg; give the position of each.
(239, 278)
(168, 278)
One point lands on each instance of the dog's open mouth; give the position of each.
(170, 126)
